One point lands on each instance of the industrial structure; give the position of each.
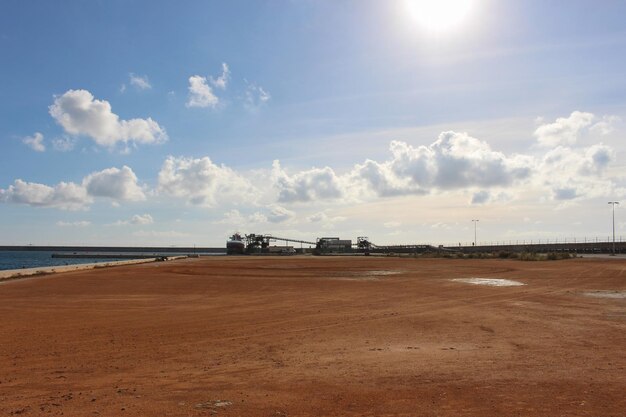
(262, 244)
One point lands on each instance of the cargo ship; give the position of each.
(235, 245)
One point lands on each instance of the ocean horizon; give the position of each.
(33, 258)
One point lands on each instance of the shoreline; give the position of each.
(13, 274)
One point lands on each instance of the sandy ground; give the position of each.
(317, 336)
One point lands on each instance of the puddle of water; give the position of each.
(606, 294)
(494, 282)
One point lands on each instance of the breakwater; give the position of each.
(118, 249)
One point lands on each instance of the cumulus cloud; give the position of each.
(606, 125)
(201, 182)
(200, 93)
(565, 130)
(570, 171)
(140, 82)
(576, 173)
(324, 217)
(114, 183)
(82, 223)
(457, 161)
(379, 178)
(235, 217)
(137, 219)
(273, 214)
(453, 161)
(64, 196)
(577, 162)
(79, 113)
(35, 142)
(310, 185)
(222, 81)
(141, 219)
(278, 214)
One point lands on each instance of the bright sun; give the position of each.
(439, 16)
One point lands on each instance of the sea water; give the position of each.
(34, 259)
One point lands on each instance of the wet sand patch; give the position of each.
(493, 282)
(606, 294)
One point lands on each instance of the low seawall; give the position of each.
(118, 249)
(11, 274)
(112, 255)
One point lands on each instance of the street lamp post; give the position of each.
(475, 221)
(613, 203)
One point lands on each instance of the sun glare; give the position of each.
(439, 16)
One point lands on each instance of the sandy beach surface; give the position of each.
(317, 336)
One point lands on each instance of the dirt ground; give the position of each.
(317, 336)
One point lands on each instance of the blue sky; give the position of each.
(135, 122)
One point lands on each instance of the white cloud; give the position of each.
(82, 223)
(234, 217)
(323, 217)
(256, 96)
(201, 182)
(453, 161)
(278, 214)
(200, 93)
(80, 114)
(606, 125)
(141, 219)
(64, 196)
(139, 82)
(565, 130)
(273, 214)
(35, 142)
(459, 162)
(114, 183)
(64, 144)
(576, 173)
(138, 219)
(314, 184)
(255, 218)
(222, 81)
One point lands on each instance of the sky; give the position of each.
(131, 122)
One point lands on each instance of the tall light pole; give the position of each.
(475, 221)
(613, 203)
